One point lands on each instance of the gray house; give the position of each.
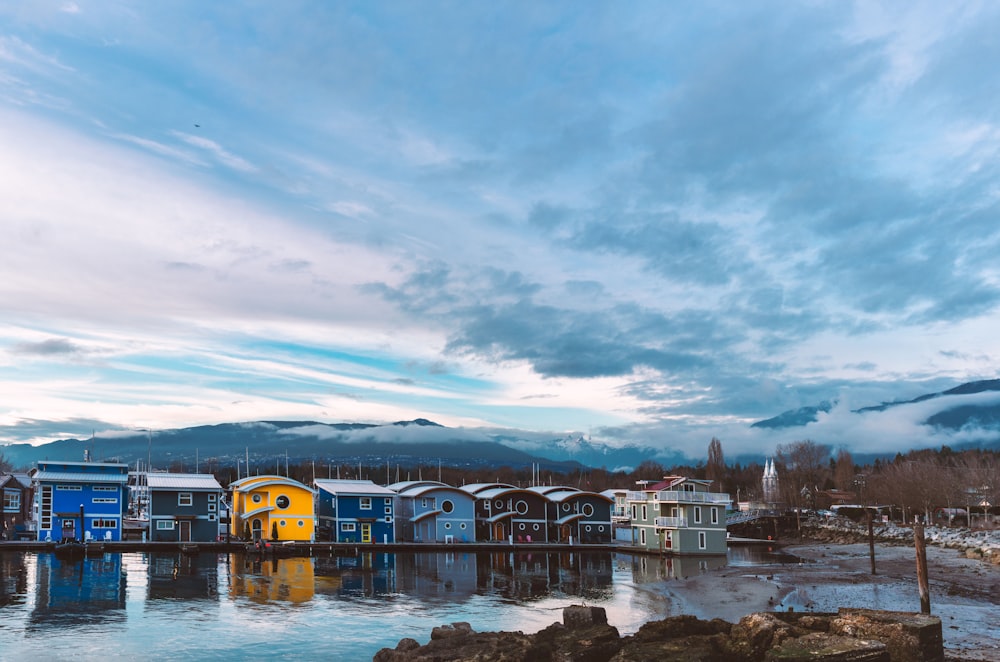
(679, 515)
(430, 511)
(184, 507)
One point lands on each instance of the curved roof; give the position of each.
(476, 488)
(253, 482)
(546, 489)
(559, 497)
(503, 491)
(408, 485)
(421, 490)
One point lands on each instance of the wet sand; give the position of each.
(964, 593)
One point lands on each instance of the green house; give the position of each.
(678, 515)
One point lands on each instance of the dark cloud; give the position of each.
(50, 347)
(26, 429)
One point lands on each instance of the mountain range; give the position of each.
(968, 407)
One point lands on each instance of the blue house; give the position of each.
(80, 500)
(430, 511)
(184, 507)
(355, 511)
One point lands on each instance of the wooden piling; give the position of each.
(922, 582)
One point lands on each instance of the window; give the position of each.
(256, 498)
(211, 518)
(281, 523)
(282, 502)
(644, 512)
(642, 536)
(447, 525)
(715, 515)
(447, 506)
(423, 503)
(211, 498)
(12, 500)
(211, 507)
(588, 510)
(388, 510)
(633, 513)
(104, 500)
(165, 525)
(104, 488)
(587, 528)
(521, 507)
(701, 540)
(301, 523)
(366, 503)
(184, 499)
(462, 526)
(565, 507)
(105, 524)
(388, 519)
(388, 501)
(348, 526)
(697, 514)
(69, 488)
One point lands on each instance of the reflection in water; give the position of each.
(13, 579)
(78, 592)
(647, 569)
(182, 576)
(271, 580)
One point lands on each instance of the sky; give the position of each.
(648, 223)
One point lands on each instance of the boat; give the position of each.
(70, 550)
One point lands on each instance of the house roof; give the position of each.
(80, 477)
(476, 488)
(157, 481)
(346, 487)
(408, 485)
(251, 483)
(16, 480)
(501, 491)
(420, 490)
(548, 489)
(559, 497)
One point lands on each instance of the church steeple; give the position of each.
(770, 481)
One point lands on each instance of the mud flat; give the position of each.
(965, 593)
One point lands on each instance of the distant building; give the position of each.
(576, 515)
(505, 513)
(679, 515)
(79, 500)
(271, 507)
(769, 483)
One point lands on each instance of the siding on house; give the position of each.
(679, 516)
(272, 507)
(357, 511)
(430, 511)
(184, 507)
(79, 500)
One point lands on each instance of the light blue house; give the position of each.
(355, 511)
(430, 511)
(79, 500)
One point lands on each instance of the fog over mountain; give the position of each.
(961, 417)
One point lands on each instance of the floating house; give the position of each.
(79, 500)
(15, 512)
(620, 511)
(506, 513)
(356, 511)
(430, 511)
(574, 515)
(184, 507)
(271, 507)
(679, 515)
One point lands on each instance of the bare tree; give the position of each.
(6, 466)
(715, 468)
(843, 470)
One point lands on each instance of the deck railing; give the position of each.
(670, 522)
(674, 496)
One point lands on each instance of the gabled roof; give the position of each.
(158, 481)
(20, 480)
(673, 481)
(351, 487)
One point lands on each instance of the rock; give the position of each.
(828, 648)
(449, 631)
(907, 636)
(579, 616)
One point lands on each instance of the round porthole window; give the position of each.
(281, 523)
(301, 523)
(447, 525)
(536, 527)
(565, 507)
(521, 507)
(521, 526)
(588, 509)
(282, 501)
(462, 525)
(601, 528)
(447, 506)
(587, 528)
(256, 498)
(498, 504)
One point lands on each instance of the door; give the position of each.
(366, 533)
(498, 531)
(68, 529)
(256, 527)
(185, 530)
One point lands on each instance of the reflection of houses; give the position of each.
(13, 579)
(16, 511)
(364, 575)
(576, 516)
(355, 510)
(76, 593)
(525, 575)
(505, 512)
(447, 575)
(273, 508)
(429, 511)
(646, 569)
(679, 515)
(82, 500)
(184, 507)
(275, 580)
(185, 576)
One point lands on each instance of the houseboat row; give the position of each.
(100, 501)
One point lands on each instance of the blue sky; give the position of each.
(654, 222)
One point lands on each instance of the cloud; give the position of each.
(49, 347)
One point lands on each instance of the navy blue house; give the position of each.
(80, 500)
(355, 511)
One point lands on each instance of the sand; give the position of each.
(964, 593)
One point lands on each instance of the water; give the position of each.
(219, 607)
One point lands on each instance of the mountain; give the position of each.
(968, 408)
(267, 443)
(588, 453)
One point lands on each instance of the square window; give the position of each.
(388, 519)
(184, 499)
(388, 501)
(388, 510)
(211, 507)
(211, 498)
(366, 503)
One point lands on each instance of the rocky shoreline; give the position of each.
(851, 635)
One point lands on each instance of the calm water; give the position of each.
(172, 606)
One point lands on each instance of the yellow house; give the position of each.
(272, 507)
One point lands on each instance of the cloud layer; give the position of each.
(656, 225)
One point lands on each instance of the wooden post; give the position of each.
(871, 539)
(922, 584)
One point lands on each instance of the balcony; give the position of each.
(636, 496)
(715, 498)
(670, 522)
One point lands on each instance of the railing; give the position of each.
(670, 522)
(635, 496)
(673, 496)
